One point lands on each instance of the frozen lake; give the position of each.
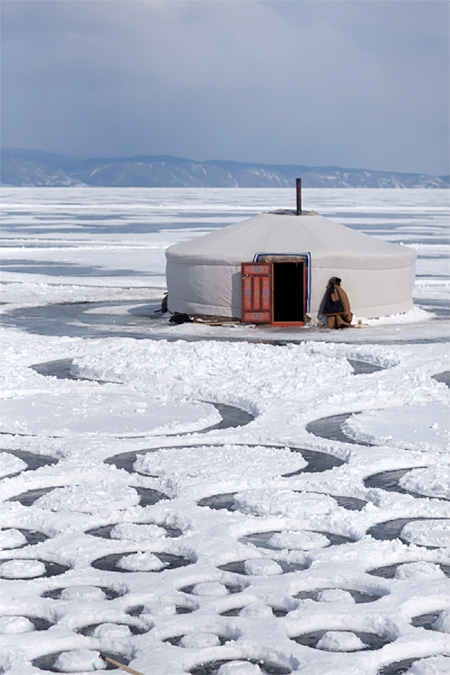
(202, 499)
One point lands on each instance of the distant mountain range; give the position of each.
(40, 169)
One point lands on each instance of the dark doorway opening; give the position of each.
(288, 292)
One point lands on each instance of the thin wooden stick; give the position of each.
(113, 662)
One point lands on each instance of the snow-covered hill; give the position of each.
(34, 168)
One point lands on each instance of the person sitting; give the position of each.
(335, 306)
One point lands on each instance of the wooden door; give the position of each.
(256, 293)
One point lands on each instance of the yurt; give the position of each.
(274, 269)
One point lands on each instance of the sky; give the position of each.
(352, 83)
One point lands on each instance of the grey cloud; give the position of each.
(360, 83)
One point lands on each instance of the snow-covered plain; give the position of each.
(204, 499)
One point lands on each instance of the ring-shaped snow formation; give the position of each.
(102, 414)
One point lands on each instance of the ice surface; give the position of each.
(86, 296)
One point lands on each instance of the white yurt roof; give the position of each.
(328, 242)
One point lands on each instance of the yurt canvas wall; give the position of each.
(204, 274)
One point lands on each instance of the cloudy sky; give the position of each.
(355, 83)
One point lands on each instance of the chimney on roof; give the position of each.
(299, 196)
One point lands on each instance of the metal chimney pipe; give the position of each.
(299, 196)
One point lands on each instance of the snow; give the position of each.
(179, 518)
(80, 659)
(342, 641)
(15, 624)
(21, 569)
(428, 533)
(12, 539)
(141, 562)
(434, 481)
(63, 415)
(411, 426)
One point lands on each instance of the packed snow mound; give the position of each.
(12, 539)
(78, 660)
(282, 502)
(164, 367)
(21, 569)
(427, 533)
(10, 464)
(335, 595)
(340, 641)
(239, 668)
(302, 541)
(111, 631)
(212, 467)
(262, 567)
(433, 481)
(256, 610)
(84, 593)
(141, 562)
(414, 315)
(442, 623)
(137, 532)
(15, 624)
(421, 570)
(417, 427)
(89, 498)
(102, 414)
(433, 665)
(213, 588)
(199, 640)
